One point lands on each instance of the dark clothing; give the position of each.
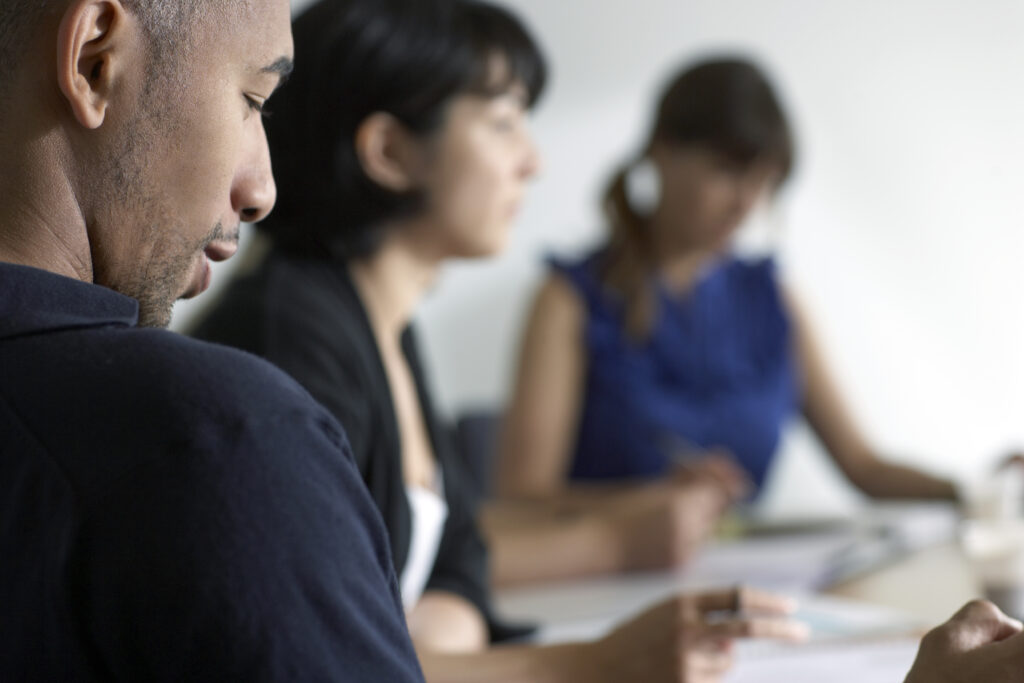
(305, 316)
(175, 511)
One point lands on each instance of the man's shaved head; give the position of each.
(133, 138)
(167, 24)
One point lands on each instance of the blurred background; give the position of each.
(902, 229)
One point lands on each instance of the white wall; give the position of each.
(902, 229)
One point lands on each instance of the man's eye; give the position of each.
(257, 106)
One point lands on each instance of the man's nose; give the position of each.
(254, 192)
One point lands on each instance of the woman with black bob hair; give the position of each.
(406, 61)
(400, 142)
(663, 354)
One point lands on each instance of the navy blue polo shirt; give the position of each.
(172, 510)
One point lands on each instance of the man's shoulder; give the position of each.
(211, 373)
(304, 316)
(229, 487)
(146, 390)
(212, 387)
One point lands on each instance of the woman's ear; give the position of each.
(389, 153)
(93, 49)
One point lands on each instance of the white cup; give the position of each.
(995, 549)
(998, 496)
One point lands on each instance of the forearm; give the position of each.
(445, 622)
(880, 479)
(570, 498)
(551, 548)
(509, 664)
(637, 527)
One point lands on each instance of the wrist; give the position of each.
(612, 533)
(574, 662)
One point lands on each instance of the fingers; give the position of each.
(980, 621)
(708, 663)
(757, 627)
(744, 599)
(754, 615)
(729, 474)
(718, 469)
(1012, 646)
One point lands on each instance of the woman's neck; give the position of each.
(677, 268)
(680, 273)
(391, 283)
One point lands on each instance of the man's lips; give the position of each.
(201, 276)
(221, 250)
(217, 250)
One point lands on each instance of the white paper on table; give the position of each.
(794, 564)
(877, 661)
(799, 562)
(831, 620)
(824, 658)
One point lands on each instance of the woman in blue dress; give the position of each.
(662, 347)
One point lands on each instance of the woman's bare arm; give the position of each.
(543, 414)
(676, 640)
(446, 622)
(829, 417)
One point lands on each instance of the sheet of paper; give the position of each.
(798, 562)
(831, 620)
(789, 564)
(877, 661)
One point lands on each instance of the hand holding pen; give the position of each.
(692, 464)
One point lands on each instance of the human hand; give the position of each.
(663, 524)
(979, 643)
(689, 638)
(717, 467)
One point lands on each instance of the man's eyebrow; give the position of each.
(282, 67)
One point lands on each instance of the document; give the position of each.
(872, 661)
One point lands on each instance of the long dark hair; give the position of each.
(354, 58)
(724, 105)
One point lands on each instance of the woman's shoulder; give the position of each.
(752, 269)
(751, 279)
(581, 266)
(304, 316)
(755, 294)
(577, 278)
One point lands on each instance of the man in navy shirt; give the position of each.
(169, 510)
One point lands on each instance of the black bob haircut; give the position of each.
(406, 58)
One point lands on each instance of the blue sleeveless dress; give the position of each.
(717, 371)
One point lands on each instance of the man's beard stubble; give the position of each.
(166, 277)
(163, 278)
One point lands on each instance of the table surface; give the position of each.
(895, 604)
(928, 586)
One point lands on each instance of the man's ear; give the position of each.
(92, 44)
(389, 153)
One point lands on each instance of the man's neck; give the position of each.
(41, 224)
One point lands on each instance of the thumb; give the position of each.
(1006, 654)
(1009, 631)
(980, 622)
